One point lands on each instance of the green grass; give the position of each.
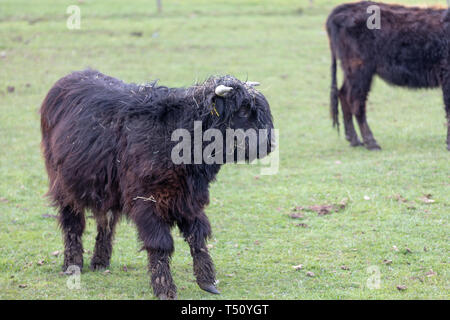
(283, 45)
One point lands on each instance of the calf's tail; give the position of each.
(48, 110)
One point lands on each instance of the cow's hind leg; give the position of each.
(447, 110)
(350, 133)
(195, 233)
(446, 90)
(448, 127)
(369, 140)
(154, 232)
(360, 82)
(72, 224)
(106, 224)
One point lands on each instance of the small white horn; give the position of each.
(222, 90)
(252, 83)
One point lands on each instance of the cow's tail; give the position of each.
(332, 29)
(334, 100)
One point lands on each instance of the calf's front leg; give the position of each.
(157, 240)
(195, 232)
(161, 277)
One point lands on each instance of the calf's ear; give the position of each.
(218, 107)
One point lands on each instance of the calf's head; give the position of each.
(243, 116)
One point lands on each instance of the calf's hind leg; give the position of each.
(195, 233)
(106, 224)
(72, 224)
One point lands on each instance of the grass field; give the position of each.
(397, 200)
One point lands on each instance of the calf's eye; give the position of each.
(244, 112)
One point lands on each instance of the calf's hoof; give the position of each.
(211, 288)
(171, 296)
(167, 294)
(164, 289)
(72, 269)
(98, 265)
(73, 265)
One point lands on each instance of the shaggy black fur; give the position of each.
(411, 49)
(107, 147)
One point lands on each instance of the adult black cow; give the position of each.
(405, 46)
(108, 147)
